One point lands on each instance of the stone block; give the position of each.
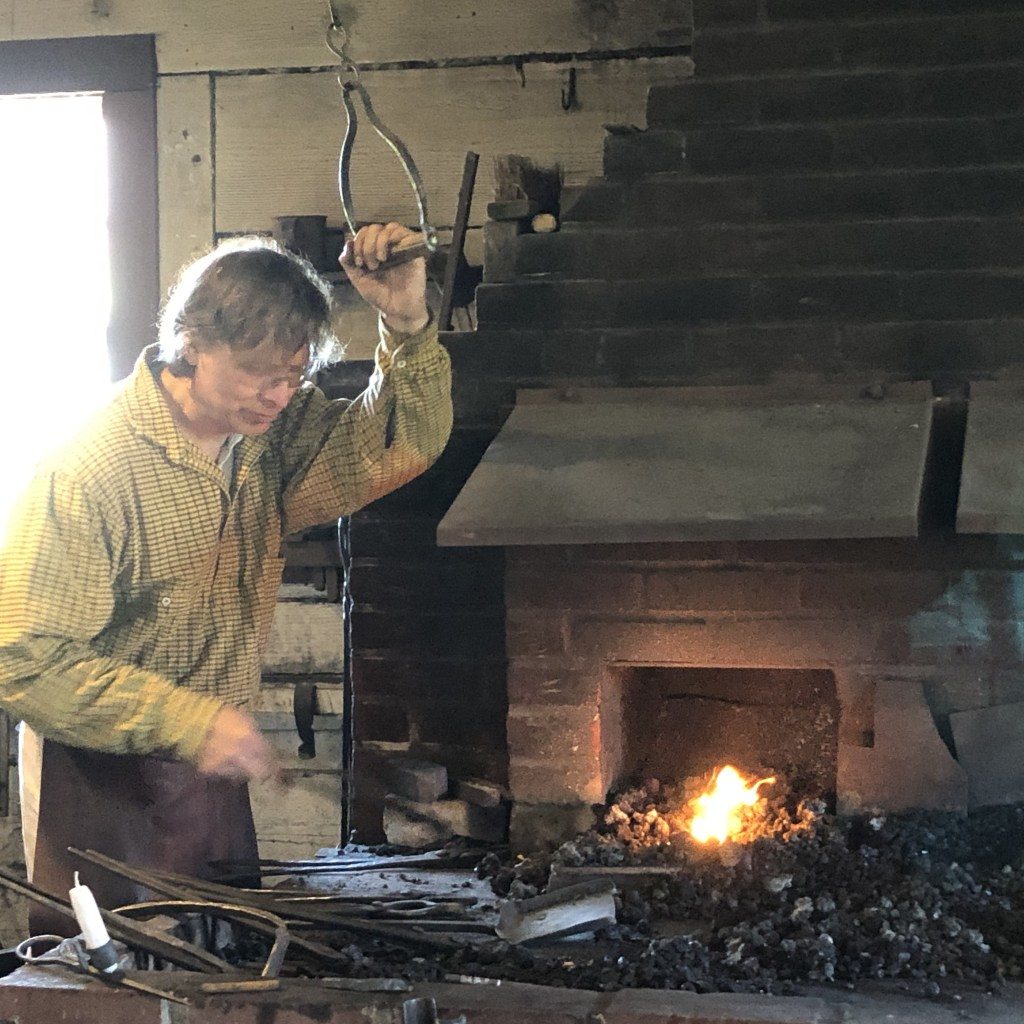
(977, 293)
(533, 633)
(731, 643)
(633, 154)
(990, 746)
(909, 767)
(421, 781)
(578, 589)
(826, 45)
(829, 296)
(902, 592)
(456, 579)
(544, 681)
(480, 792)
(724, 590)
(596, 200)
(543, 303)
(623, 303)
(409, 823)
(402, 634)
(723, 13)
(554, 733)
(755, 150)
(812, 10)
(381, 722)
(559, 780)
(940, 93)
(477, 719)
(538, 827)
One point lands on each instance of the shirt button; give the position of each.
(401, 364)
(165, 601)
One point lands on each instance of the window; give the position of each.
(79, 263)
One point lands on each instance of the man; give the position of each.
(140, 570)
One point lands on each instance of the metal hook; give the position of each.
(569, 98)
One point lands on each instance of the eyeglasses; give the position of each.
(293, 379)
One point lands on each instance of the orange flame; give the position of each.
(717, 813)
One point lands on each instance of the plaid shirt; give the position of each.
(137, 585)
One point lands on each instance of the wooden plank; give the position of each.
(299, 817)
(186, 172)
(305, 638)
(202, 35)
(274, 698)
(277, 135)
(96, 64)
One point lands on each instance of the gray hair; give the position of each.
(246, 293)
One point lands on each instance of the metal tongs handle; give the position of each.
(350, 83)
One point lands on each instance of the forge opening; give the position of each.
(677, 723)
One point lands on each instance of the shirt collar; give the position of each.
(150, 417)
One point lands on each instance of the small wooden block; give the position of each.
(512, 209)
(480, 792)
(228, 988)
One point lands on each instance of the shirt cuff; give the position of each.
(188, 717)
(394, 342)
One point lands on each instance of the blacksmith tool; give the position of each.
(412, 248)
(282, 938)
(240, 987)
(72, 955)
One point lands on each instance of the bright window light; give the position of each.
(54, 276)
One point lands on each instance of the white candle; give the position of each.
(87, 914)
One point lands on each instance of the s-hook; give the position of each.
(337, 39)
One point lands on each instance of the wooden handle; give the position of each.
(411, 248)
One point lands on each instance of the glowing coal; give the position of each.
(722, 812)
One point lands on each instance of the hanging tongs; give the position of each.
(415, 246)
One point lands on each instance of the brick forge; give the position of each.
(842, 660)
(835, 193)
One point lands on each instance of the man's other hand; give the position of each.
(235, 748)
(398, 292)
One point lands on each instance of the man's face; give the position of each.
(244, 392)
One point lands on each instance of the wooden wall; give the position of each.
(250, 119)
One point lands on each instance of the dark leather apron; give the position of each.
(151, 812)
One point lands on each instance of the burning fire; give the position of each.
(718, 812)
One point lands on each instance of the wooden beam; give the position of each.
(186, 172)
(120, 64)
(205, 35)
(278, 135)
(133, 225)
